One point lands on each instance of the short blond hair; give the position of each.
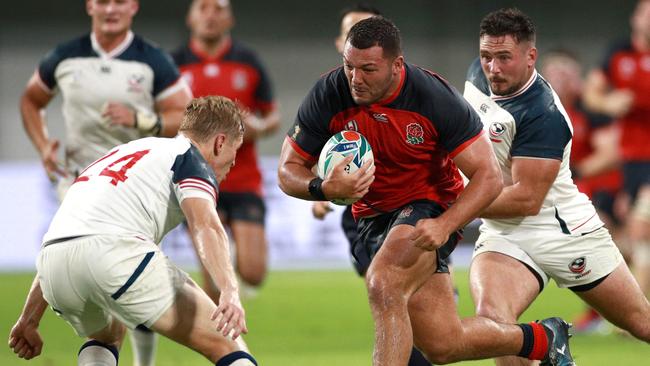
(207, 116)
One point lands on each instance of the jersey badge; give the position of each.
(211, 70)
(239, 80)
(496, 129)
(626, 67)
(352, 126)
(406, 212)
(296, 131)
(414, 134)
(135, 83)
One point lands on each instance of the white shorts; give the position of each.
(569, 260)
(89, 280)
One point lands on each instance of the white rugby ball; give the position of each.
(338, 147)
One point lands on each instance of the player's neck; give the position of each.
(641, 42)
(210, 47)
(109, 42)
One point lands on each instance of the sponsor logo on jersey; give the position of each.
(484, 108)
(627, 67)
(352, 126)
(380, 117)
(105, 69)
(414, 134)
(406, 212)
(578, 265)
(239, 80)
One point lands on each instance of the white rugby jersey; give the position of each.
(135, 190)
(532, 123)
(135, 73)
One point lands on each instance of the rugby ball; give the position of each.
(339, 146)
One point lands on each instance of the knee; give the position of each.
(440, 353)
(252, 275)
(383, 291)
(499, 314)
(641, 329)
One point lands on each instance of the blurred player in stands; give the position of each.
(422, 132)
(116, 87)
(620, 88)
(214, 63)
(594, 153)
(101, 269)
(540, 226)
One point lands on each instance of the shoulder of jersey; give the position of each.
(77, 47)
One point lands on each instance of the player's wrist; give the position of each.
(148, 123)
(316, 189)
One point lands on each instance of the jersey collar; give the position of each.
(519, 92)
(221, 51)
(116, 51)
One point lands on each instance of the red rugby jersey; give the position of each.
(628, 68)
(413, 134)
(237, 73)
(581, 148)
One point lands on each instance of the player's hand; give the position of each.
(619, 102)
(118, 114)
(429, 234)
(25, 340)
(320, 209)
(51, 161)
(341, 185)
(230, 315)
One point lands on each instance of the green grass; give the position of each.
(309, 318)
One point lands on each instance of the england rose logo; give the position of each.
(414, 134)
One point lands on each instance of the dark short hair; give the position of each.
(511, 21)
(359, 8)
(376, 31)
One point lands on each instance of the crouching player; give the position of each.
(101, 269)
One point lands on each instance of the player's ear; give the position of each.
(532, 56)
(398, 63)
(219, 141)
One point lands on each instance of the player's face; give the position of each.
(111, 17)
(640, 20)
(565, 77)
(371, 76)
(347, 22)
(224, 160)
(507, 64)
(209, 20)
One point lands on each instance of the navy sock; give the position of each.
(234, 356)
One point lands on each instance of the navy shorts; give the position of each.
(373, 232)
(636, 174)
(241, 207)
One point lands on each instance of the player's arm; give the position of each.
(601, 98)
(605, 156)
(264, 124)
(212, 247)
(531, 180)
(479, 165)
(32, 109)
(295, 176)
(171, 109)
(24, 338)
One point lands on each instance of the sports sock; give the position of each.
(237, 358)
(535, 346)
(95, 353)
(144, 343)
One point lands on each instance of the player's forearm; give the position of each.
(35, 304)
(257, 127)
(479, 193)
(294, 179)
(512, 202)
(213, 250)
(171, 121)
(34, 123)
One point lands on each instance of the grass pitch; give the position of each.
(309, 319)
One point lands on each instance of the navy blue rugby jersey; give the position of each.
(414, 134)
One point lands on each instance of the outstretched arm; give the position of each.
(24, 338)
(212, 247)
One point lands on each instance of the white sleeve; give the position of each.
(195, 187)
